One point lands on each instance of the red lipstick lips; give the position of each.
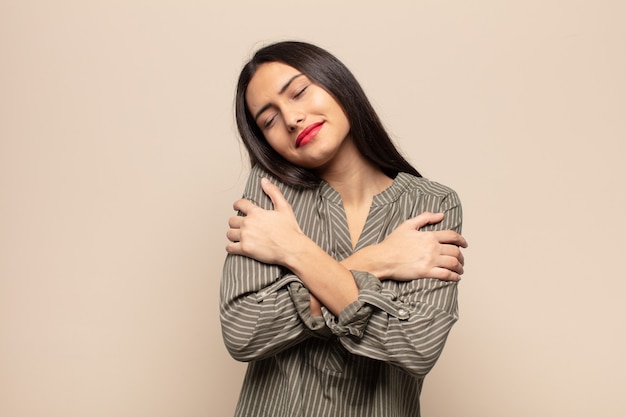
(308, 134)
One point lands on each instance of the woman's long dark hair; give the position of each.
(331, 74)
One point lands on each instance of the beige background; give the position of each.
(119, 163)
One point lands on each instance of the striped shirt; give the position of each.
(371, 359)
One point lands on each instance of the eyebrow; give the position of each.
(281, 91)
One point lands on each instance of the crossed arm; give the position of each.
(274, 237)
(260, 313)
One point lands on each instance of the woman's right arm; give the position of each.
(264, 308)
(257, 311)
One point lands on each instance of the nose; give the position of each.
(293, 119)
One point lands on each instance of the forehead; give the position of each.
(267, 82)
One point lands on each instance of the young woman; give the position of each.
(340, 282)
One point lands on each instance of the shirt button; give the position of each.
(403, 313)
(262, 294)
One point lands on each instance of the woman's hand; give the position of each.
(408, 253)
(411, 253)
(264, 235)
(274, 237)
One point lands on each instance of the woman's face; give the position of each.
(299, 119)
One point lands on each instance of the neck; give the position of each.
(354, 178)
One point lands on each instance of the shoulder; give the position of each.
(428, 195)
(418, 194)
(408, 183)
(254, 192)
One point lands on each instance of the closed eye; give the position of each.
(269, 122)
(300, 92)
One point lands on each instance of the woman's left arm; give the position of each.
(402, 322)
(405, 323)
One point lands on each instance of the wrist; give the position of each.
(325, 278)
(297, 250)
(369, 259)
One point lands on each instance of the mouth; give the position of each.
(308, 134)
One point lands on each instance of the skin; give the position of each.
(285, 102)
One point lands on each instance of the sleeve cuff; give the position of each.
(302, 301)
(353, 319)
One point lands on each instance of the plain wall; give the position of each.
(119, 163)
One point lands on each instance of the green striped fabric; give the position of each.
(368, 361)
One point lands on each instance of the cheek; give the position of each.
(277, 141)
(330, 106)
(324, 103)
(343, 122)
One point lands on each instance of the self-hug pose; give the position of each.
(340, 283)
